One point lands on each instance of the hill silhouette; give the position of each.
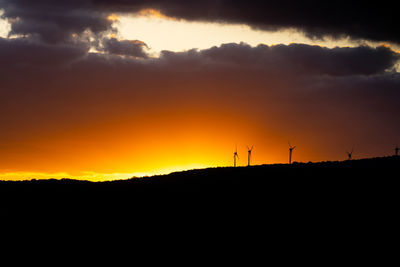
(224, 179)
(330, 181)
(328, 206)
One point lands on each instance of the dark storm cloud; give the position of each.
(132, 48)
(295, 58)
(55, 20)
(68, 73)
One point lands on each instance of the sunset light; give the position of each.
(223, 121)
(102, 91)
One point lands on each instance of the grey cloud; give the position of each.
(134, 48)
(295, 58)
(54, 21)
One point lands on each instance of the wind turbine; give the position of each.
(349, 154)
(396, 150)
(249, 154)
(290, 152)
(235, 155)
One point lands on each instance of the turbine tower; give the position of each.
(235, 155)
(249, 154)
(396, 151)
(349, 154)
(290, 152)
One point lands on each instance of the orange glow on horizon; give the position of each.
(154, 142)
(95, 177)
(155, 146)
(159, 145)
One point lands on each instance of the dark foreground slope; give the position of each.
(261, 178)
(363, 180)
(337, 211)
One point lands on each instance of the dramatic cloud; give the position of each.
(306, 59)
(133, 48)
(56, 20)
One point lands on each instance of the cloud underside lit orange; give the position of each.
(153, 13)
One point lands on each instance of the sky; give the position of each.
(102, 90)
